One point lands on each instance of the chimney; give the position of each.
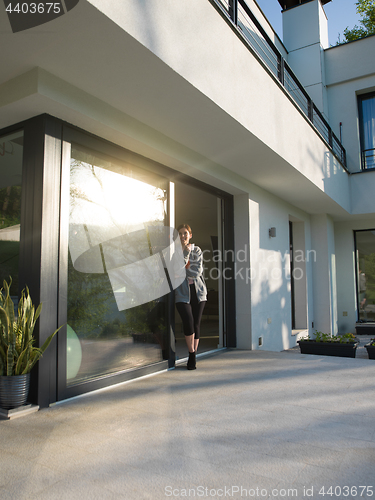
(305, 36)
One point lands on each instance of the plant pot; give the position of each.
(370, 351)
(345, 350)
(365, 329)
(14, 391)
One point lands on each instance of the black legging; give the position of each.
(191, 313)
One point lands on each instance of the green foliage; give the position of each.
(114, 329)
(366, 9)
(9, 262)
(327, 337)
(18, 354)
(93, 314)
(146, 318)
(10, 206)
(89, 299)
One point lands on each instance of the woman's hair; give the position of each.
(186, 226)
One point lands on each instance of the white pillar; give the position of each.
(324, 274)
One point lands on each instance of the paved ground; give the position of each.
(245, 424)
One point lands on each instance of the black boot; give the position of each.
(191, 364)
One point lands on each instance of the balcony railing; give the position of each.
(238, 13)
(368, 158)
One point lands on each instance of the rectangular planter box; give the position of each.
(328, 348)
(365, 329)
(370, 351)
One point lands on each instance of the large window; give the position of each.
(367, 129)
(365, 256)
(11, 153)
(116, 319)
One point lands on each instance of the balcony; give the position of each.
(248, 28)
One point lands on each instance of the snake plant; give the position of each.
(18, 353)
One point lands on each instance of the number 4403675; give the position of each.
(347, 491)
(34, 8)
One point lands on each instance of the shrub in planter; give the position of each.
(326, 344)
(18, 354)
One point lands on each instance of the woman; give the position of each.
(191, 295)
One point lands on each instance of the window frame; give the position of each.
(360, 99)
(357, 267)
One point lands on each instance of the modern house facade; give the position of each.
(117, 118)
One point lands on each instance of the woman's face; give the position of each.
(184, 236)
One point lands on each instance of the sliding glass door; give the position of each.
(117, 245)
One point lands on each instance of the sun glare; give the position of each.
(100, 197)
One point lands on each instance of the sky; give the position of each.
(340, 14)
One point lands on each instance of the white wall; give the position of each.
(362, 192)
(263, 292)
(324, 274)
(346, 287)
(350, 71)
(305, 25)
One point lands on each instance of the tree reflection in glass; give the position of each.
(109, 201)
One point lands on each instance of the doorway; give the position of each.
(202, 210)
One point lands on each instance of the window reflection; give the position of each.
(11, 154)
(109, 201)
(367, 129)
(365, 243)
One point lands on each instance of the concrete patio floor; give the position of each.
(245, 424)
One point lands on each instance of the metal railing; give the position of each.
(368, 158)
(254, 35)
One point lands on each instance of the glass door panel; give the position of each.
(117, 292)
(202, 211)
(365, 244)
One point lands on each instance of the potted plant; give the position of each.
(326, 344)
(18, 354)
(370, 347)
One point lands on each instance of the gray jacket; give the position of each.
(195, 272)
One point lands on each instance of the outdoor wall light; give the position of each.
(272, 232)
